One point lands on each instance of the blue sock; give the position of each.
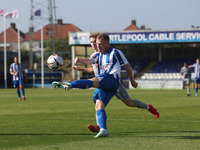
(18, 93)
(82, 84)
(196, 90)
(22, 89)
(101, 118)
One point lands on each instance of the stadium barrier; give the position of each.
(34, 79)
(163, 76)
(159, 84)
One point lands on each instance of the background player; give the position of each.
(17, 70)
(197, 75)
(186, 72)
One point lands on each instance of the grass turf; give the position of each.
(56, 119)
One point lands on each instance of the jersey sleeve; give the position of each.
(11, 67)
(194, 65)
(122, 59)
(95, 57)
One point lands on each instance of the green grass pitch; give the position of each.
(55, 119)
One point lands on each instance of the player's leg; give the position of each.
(106, 81)
(102, 119)
(16, 85)
(139, 104)
(134, 103)
(188, 86)
(82, 84)
(18, 94)
(94, 128)
(21, 85)
(101, 99)
(123, 95)
(196, 86)
(109, 86)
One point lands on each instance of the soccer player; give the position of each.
(121, 94)
(109, 62)
(17, 70)
(197, 75)
(186, 72)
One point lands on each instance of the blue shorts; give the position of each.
(16, 83)
(107, 88)
(197, 80)
(107, 81)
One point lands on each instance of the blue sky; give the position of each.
(114, 15)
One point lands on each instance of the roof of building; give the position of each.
(132, 26)
(61, 31)
(12, 35)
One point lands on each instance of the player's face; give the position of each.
(185, 64)
(197, 61)
(16, 60)
(93, 43)
(102, 45)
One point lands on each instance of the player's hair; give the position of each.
(185, 63)
(104, 36)
(94, 35)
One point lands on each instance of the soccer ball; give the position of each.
(54, 62)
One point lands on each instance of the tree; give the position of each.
(62, 45)
(62, 48)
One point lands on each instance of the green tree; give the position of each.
(62, 48)
(61, 45)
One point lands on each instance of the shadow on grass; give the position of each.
(39, 134)
(113, 134)
(160, 136)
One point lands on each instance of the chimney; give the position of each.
(12, 25)
(60, 22)
(133, 22)
(143, 27)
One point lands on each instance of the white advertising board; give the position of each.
(159, 84)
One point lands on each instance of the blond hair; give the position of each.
(104, 36)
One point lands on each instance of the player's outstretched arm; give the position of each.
(130, 75)
(190, 66)
(84, 61)
(88, 70)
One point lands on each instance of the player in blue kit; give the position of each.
(196, 67)
(109, 62)
(121, 93)
(17, 70)
(106, 83)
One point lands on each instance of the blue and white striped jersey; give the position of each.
(17, 68)
(196, 69)
(111, 62)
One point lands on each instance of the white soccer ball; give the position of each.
(54, 62)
